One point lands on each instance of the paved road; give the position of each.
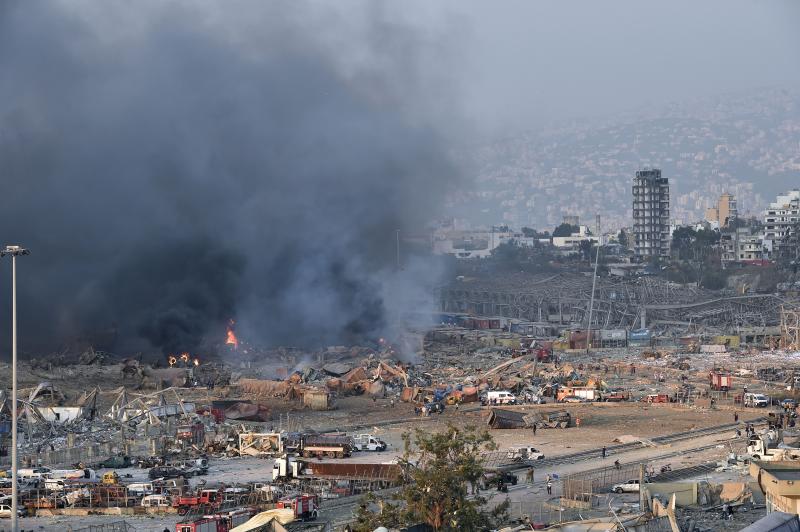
(684, 444)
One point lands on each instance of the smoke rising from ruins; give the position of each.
(175, 165)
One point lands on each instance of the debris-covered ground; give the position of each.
(655, 407)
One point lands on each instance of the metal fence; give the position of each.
(68, 456)
(541, 512)
(116, 526)
(582, 487)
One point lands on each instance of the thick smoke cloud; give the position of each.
(173, 166)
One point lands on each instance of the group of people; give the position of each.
(548, 480)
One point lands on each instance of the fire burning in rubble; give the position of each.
(231, 337)
(184, 358)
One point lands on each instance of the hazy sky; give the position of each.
(516, 63)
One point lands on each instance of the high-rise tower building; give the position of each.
(651, 234)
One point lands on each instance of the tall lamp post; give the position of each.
(14, 251)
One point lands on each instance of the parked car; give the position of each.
(5, 511)
(631, 486)
(573, 399)
(192, 468)
(165, 472)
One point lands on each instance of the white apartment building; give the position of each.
(574, 240)
(780, 219)
(741, 245)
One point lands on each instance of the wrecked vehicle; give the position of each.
(524, 453)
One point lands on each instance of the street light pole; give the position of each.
(14, 251)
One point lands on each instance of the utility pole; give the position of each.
(594, 283)
(14, 251)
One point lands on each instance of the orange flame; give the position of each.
(231, 337)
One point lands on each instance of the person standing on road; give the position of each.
(549, 487)
(604, 451)
(534, 429)
(736, 417)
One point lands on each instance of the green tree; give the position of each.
(587, 250)
(533, 233)
(437, 470)
(565, 230)
(622, 238)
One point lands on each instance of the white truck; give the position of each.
(758, 400)
(769, 447)
(34, 473)
(368, 442)
(631, 486)
(499, 398)
(520, 453)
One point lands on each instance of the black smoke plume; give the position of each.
(175, 165)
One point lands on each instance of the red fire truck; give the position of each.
(720, 381)
(304, 506)
(210, 499)
(222, 522)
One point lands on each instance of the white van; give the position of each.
(499, 398)
(34, 472)
(758, 400)
(156, 501)
(140, 488)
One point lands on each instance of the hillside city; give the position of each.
(746, 145)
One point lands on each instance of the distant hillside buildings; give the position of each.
(743, 242)
(651, 226)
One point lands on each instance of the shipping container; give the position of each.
(611, 338)
(640, 338)
(729, 341)
(577, 339)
